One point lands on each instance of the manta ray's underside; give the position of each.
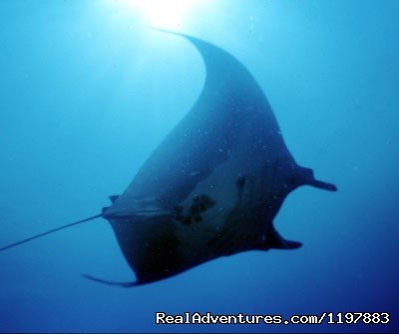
(213, 186)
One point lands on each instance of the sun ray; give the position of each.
(163, 13)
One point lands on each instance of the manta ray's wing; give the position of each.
(204, 138)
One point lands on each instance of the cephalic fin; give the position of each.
(275, 240)
(306, 177)
(323, 185)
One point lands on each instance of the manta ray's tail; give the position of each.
(120, 284)
(15, 244)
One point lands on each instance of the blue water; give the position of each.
(87, 92)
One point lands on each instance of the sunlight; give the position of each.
(162, 13)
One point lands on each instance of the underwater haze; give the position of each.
(88, 91)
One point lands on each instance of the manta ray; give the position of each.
(213, 186)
